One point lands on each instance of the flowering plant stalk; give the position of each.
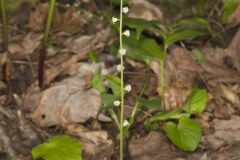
(122, 51)
(122, 81)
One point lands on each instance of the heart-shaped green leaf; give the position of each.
(59, 147)
(197, 101)
(186, 135)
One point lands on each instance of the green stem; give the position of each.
(114, 116)
(162, 78)
(135, 108)
(49, 21)
(5, 26)
(122, 84)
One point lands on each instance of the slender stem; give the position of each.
(137, 101)
(49, 21)
(114, 116)
(162, 79)
(122, 84)
(5, 26)
(43, 52)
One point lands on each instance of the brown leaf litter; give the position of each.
(96, 143)
(227, 132)
(68, 101)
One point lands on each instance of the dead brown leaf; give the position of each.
(69, 21)
(230, 95)
(151, 12)
(38, 17)
(25, 47)
(151, 147)
(96, 144)
(227, 132)
(68, 101)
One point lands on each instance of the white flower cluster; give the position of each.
(125, 11)
(126, 33)
(127, 88)
(122, 52)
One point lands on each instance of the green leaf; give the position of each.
(134, 48)
(59, 147)
(142, 49)
(152, 123)
(152, 102)
(188, 29)
(115, 84)
(139, 24)
(199, 55)
(97, 82)
(186, 135)
(195, 23)
(108, 100)
(184, 35)
(92, 56)
(229, 8)
(153, 48)
(162, 116)
(197, 101)
(152, 126)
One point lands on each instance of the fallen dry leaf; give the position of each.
(227, 132)
(96, 144)
(38, 17)
(69, 21)
(151, 147)
(68, 101)
(25, 47)
(230, 95)
(80, 46)
(151, 12)
(175, 97)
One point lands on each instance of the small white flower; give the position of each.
(122, 51)
(125, 10)
(126, 33)
(67, 5)
(116, 103)
(125, 123)
(128, 88)
(114, 20)
(119, 68)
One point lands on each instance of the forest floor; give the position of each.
(30, 115)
